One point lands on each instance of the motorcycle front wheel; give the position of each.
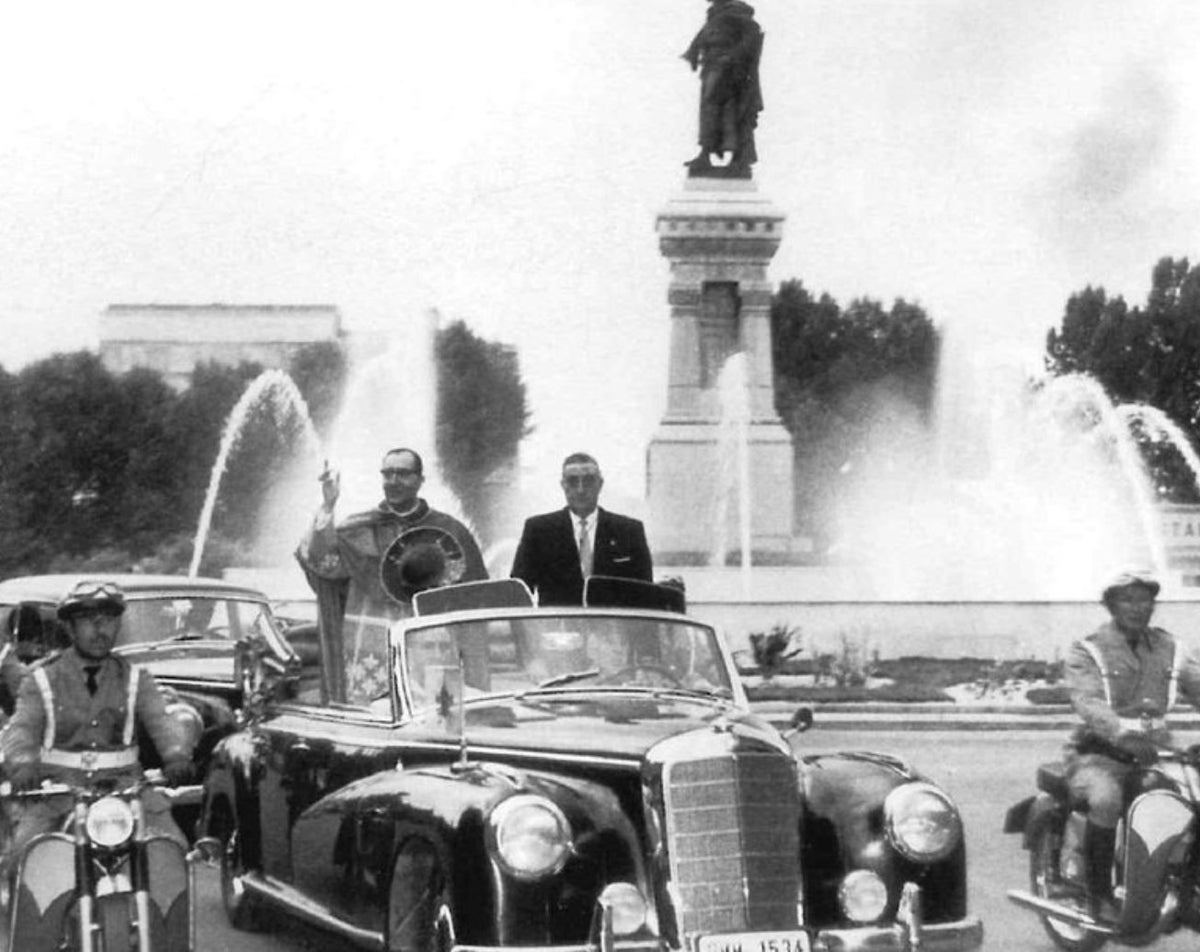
(114, 921)
(1046, 883)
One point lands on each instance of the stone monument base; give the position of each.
(687, 477)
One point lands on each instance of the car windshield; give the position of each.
(549, 652)
(176, 618)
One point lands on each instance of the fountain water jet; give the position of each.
(1029, 491)
(984, 527)
(274, 389)
(390, 401)
(1078, 394)
(733, 462)
(1161, 428)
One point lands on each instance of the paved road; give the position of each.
(985, 771)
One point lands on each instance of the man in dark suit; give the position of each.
(559, 549)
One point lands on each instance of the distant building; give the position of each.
(173, 338)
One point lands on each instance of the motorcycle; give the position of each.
(104, 882)
(1155, 872)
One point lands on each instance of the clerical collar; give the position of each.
(408, 513)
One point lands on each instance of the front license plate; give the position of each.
(795, 941)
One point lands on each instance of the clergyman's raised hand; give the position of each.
(331, 486)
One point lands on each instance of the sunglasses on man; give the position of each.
(581, 482)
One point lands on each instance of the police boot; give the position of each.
(1098, 846)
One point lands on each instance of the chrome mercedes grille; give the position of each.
(734, 842)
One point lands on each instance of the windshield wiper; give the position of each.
(560, 679)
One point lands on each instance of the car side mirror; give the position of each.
(250, 676)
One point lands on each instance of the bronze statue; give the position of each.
(726, 51)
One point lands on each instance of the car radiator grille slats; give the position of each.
(734, 842)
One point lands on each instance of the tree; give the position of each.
(841, 379)
(10, 509)
(482, 413)
(319, 372)
(93, 460)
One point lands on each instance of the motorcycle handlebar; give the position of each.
(150, 778)
(1095, 744)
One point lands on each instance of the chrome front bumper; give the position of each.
(940, 937)
(908, 933)
(961, 936)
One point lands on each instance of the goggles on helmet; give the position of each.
(103, 597)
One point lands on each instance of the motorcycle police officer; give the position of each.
(1122, 678)
(77, 716)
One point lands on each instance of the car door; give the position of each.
(309, 752)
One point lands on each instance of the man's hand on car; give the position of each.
(179, 772)
(1139, 747)
(23, 777)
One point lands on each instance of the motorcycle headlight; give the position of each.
(922, 823)
(863, 896)
(109, 822)
(531, 836)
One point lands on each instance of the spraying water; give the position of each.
(1026, 489)
(275, 391)
(390, 402)
(1160, 428)
(733, 461)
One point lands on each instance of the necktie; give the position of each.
(585, 549)
(92, 670)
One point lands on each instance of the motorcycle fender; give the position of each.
(44, 890)
(1031, 815)
(1159, 826)
(169, 881)
(1017, 818)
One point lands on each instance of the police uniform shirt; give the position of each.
(86, 721)
(1134, 674)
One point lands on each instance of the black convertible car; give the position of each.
(574, 779)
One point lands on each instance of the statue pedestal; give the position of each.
(684, 464)
(719, 236)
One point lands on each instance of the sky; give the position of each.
(503, 163)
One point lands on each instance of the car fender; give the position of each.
(449, 808)
(844, 829)
(230, 791)
(847, 790)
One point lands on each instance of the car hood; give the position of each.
(608, 726)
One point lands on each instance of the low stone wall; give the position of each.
(896, 628)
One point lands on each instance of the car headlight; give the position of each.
(922, 823)
(863, 896)
(628, 907)
(109, 822)
(531, 836)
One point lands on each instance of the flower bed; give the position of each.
(905, 680)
